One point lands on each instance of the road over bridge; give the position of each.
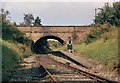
(60, 33)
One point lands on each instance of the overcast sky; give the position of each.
(54, 13)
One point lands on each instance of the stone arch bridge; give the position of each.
(60, 33)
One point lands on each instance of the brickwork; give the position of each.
(62, 32)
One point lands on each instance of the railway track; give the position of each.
(60, 72)
(46, 69)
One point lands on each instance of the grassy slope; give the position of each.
(14, 48)
(103, 52)
(12, 54)
(10, 58)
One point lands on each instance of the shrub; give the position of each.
(97, 32)
(9, 31)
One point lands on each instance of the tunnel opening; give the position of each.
(41, 46)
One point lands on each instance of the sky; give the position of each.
(53, 12)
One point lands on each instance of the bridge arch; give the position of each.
(41, 44)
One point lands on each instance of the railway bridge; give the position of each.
(60, 33)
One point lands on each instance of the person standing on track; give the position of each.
(69, 45)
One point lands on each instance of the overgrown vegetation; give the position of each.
(9, 32)
(102, 50)
(15, 46)
(105, 52)
(12, 55)
(54, 44)
(97, 32)
(41, 47)
(10, 59)
(102, 41)
(44, 47)
(109, 14)
(101, 44)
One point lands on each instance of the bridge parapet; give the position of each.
(62, 32)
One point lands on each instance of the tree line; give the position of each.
(30, 21)
(9, 30)
(109, 14)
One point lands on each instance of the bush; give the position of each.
(109, 14)
(41, 47)
(23, 40)
(96, 33)
(89, 38)
(9, 31)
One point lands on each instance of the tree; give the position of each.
(109, 14)
(22, 24)
(37, 22)
(116, 7)
(8, 30)
(14, 24)
(4, 16)
(28, 19)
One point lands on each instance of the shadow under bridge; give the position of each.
(41, 45)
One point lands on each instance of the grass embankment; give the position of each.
(101, 50)
(15, 46)
(12, 54)
(10, 59)
(105, 52)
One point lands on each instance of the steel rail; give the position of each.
(93, 76)
(40, 64)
